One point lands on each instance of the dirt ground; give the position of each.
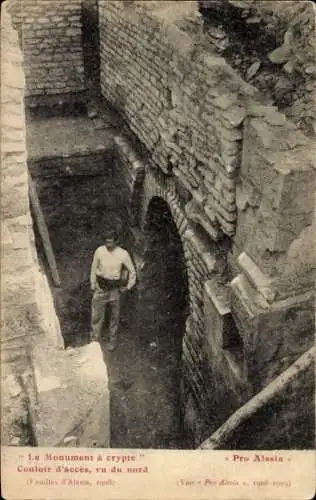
(144, 374)
(145, 369)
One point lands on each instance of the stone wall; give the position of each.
(238, 178)
(27, 310)
(213, 374)
(181, 102)
(53, 52)
(274, 290)
(40, 380)
(84, 163)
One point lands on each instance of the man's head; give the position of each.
(110, 239)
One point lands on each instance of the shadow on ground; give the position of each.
(144, 374)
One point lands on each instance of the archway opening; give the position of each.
(163, 278)
(162, 309)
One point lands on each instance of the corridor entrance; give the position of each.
(146, 368)
(163, 278)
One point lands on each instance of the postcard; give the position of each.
(158, 287)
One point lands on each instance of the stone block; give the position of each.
(230, 148)
(298, 192)
(15, 260)
(273, 335)
(72, 379)
(233, 116)
(278, 230)
(284, 186)
(229, 134)
(14, 201)
(266, 286)
(218, 319)
(225, 101)
(301, 255)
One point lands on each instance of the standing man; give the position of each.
(112, 273)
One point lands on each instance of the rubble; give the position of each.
(281, 37)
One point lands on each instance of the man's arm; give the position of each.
(94, 266)
(131, 271)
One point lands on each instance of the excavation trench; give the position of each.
(145, 370)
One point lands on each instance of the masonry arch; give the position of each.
(164, 274)
(162, 309)
(155, 185)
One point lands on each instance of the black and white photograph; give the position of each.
(157, 201)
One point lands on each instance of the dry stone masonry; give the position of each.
(183, 104)
(24, 312)
(38, 377)
(53, 52)
(238, 177)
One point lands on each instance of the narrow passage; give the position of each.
(144, 371)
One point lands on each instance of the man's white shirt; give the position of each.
(109, 263)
